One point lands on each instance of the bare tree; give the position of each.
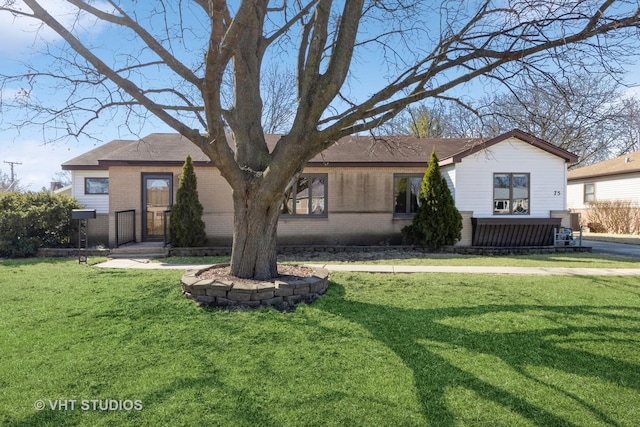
(280, 101)
(585, 114)
(174, 70)
(8, 184)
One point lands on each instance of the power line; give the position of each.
(12, 164)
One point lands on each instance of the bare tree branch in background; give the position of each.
(280, 102)
(586, 114)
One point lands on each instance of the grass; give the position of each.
(629, 239)
(585, 260)
(387, 350)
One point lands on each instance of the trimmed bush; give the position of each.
(437, 222)
(29, 221)
(186, 225)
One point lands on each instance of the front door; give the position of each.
(157, 198)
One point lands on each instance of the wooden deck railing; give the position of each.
(508, 232)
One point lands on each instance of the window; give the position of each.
(306, 196)
(589, 193)
(406, 194)
(96, 186)
(511, 193)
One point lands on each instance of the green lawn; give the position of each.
(376, 350)
(586, 260)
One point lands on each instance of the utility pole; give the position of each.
(12, 164)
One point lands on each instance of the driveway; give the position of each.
(608, 248)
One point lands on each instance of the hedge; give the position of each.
(29, 221)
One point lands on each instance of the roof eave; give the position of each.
(105, 164)
(83, 167)
(603, 174)
(522, 136)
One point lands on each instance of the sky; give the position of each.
(40, 161)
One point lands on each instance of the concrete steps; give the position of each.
(140, 251)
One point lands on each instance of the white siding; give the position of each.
(449, 173)
(474, 178)
(624, 187)
(575, 196)
(99, 202)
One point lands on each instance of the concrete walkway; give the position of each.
(146, 264)
(485, 270)
(375, 268)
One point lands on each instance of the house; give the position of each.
(609, 180)
(360, 191)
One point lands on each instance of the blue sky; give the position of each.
(41, 161)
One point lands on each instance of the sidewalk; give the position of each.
(376, 268)
(146, 264)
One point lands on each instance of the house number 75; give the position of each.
(556, 193)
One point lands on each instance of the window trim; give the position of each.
(308, 215)
(396, 176)
(584, 192)
(493, 195)
(97, 178)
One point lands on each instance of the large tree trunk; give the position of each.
(254, 236)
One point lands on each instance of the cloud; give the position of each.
(28, 34)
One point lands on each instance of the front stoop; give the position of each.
(140, 251)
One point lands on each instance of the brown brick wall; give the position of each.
(98, 230)
(359, 204)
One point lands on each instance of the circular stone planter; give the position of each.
(278, 294)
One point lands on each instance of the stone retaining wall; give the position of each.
(279, 294)
(520, 250)
(70, 252)
(293, 250)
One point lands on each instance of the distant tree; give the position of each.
(423, 122)
(186, 226)
(437, 222)
(5, 181)
(6, 184)
(586, 114)
(62, 177)
(279, 102)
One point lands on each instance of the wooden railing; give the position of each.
(509, 232)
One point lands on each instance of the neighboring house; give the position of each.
(614, 179)
(66, 190)
(359, 191)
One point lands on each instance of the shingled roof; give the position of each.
(172, 149)
(89, 160)
(627, 163)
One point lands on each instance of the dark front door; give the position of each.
(157, 198)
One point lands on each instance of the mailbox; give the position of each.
(83, 213)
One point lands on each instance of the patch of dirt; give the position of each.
(287, 273)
